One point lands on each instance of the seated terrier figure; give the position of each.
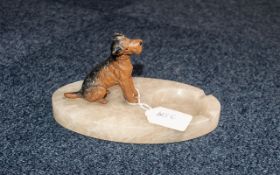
(116, 70)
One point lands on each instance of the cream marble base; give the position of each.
(120, 122)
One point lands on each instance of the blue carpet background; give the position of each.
(229, 48)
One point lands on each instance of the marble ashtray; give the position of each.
(120, 122)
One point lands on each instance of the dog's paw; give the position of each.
(132, 100)
(103, 101)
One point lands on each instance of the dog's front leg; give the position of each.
(129, 90)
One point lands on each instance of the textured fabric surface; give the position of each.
(228, 48)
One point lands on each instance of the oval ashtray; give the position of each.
(117, 121)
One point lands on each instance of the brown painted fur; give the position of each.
(116, 71)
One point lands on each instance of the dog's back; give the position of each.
(90, 79)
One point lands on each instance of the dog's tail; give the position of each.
(73, 95)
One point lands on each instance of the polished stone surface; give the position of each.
(121, 122)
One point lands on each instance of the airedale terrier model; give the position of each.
(116, 70)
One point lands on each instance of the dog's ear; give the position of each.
(116, 47)
(116, 50)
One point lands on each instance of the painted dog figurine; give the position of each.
(116, 70)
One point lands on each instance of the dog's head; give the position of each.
(124, 46)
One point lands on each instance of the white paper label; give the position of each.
(168, 118)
